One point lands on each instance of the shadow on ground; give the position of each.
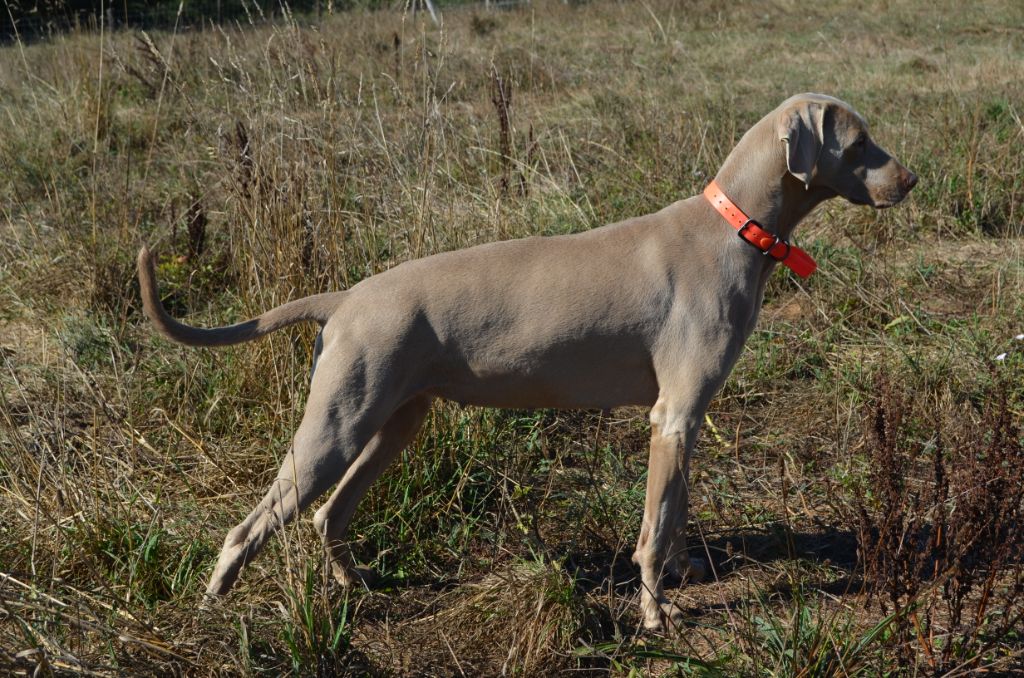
(728, 554)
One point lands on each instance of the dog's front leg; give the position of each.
(673, 435)
(680, 566)
(687, 386)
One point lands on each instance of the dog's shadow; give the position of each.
(832, 550)
(828, 555)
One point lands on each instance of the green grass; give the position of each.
(279, 160)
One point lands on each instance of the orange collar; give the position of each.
(796, 259)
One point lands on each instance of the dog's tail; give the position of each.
(318, 307)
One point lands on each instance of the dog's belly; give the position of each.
(522, 393)
(564, 382)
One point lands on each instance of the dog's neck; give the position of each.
(756, 178)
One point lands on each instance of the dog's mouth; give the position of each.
(888, 202)
(881, 202)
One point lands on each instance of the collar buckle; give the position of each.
(765, 251)
(754, 233)
(747, 224)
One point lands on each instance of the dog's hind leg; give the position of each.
(333, 518)
(339, 421)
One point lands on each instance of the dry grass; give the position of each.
(274, 161)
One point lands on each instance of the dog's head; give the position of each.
(828, 148)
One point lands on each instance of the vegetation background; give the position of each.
(868, 420)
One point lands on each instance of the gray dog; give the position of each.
(651, 311)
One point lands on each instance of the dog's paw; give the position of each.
(210, 601)
(665, 617)
(355, 576)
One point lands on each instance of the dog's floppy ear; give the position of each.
(801, 128)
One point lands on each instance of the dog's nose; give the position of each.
(909, 180)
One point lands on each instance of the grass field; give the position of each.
(267, 162)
